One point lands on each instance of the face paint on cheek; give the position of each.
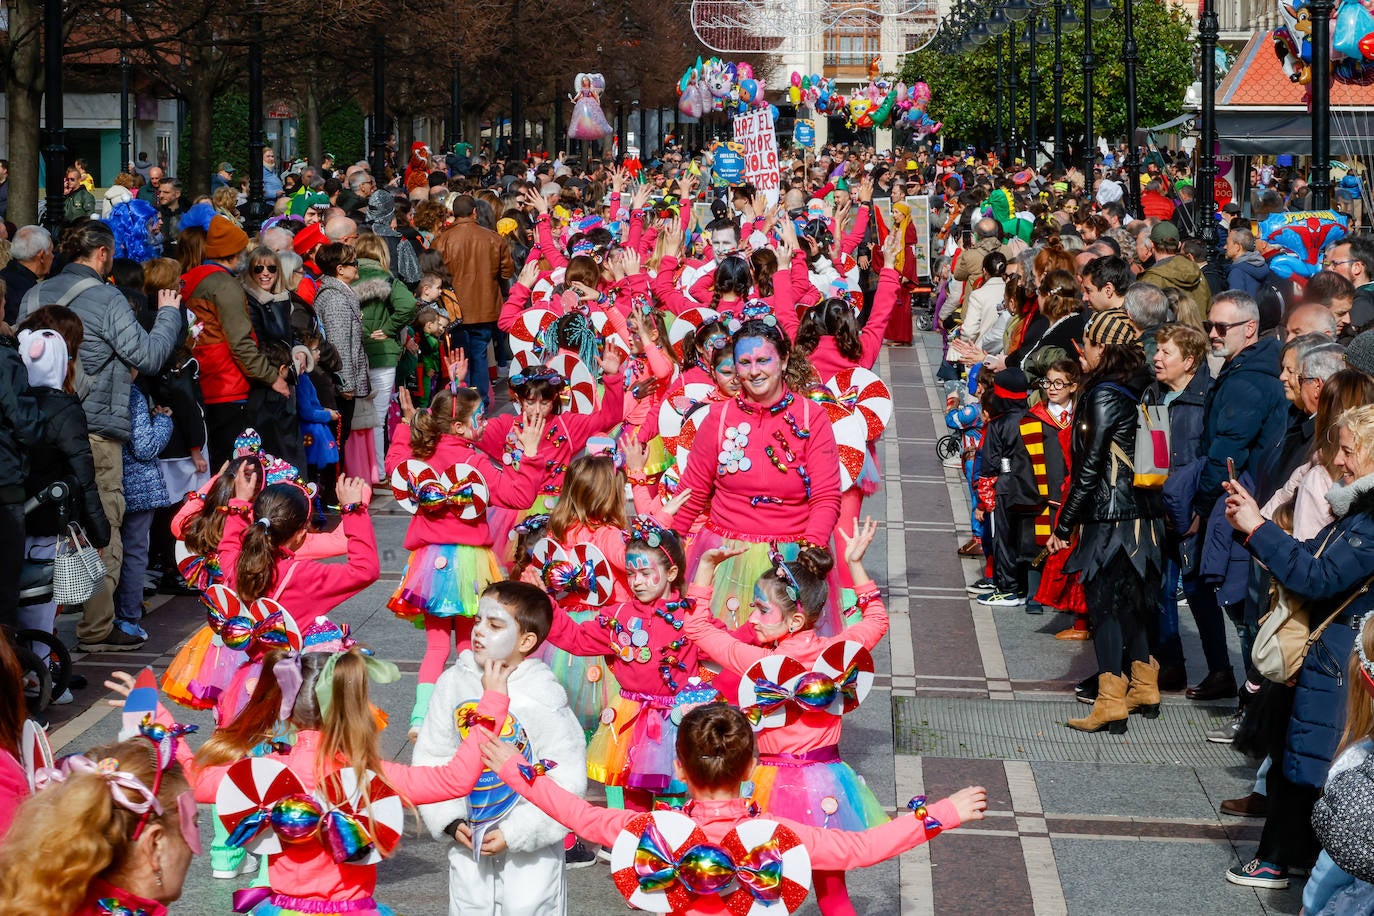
(644, 569)
(496, 629)
(186, 814)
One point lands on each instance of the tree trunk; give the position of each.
(310, 121)
(23, 99)
(199, 115)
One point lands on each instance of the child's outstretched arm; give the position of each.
(838, 850)
(422, 784)
(703, 629)
(874, 625)
(600, 825)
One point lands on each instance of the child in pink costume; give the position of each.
(327, 703)
(800, 775)
(764, 468)
(450, 542)
(535, 392)
(643, 641)
(715, 751)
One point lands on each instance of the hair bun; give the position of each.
(815, 560)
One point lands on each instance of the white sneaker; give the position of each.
(65, 699)
(249, 866)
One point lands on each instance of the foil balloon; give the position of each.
(1303, 237)
(588, 121)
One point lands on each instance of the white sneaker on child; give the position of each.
(249, 866)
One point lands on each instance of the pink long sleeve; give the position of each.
(665, 290)
(884, 303)
(514, 307)
(581, 427)
(455, 779)
(544, 232)
(600, 825)
(803, 289)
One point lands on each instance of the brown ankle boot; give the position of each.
(1109, 711)
(1143, 697)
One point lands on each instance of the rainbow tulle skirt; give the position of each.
(444, 580)
(823, 792)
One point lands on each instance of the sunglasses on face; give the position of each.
(349, 264)
(1222, 327)
(264, 268)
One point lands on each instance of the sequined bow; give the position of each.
(918, 806)
(751, 310)
(241, 631)
(109, 906)
(294, 818)
(539, 374)
(432, 496)
(469, 718)
(813, 691)
(705, 869)
(533, 770)
(643, 528)
(164, 737)
(849, 397)
(565, 577)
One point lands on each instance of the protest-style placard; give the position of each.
(754, 133)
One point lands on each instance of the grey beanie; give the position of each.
(1360, 354)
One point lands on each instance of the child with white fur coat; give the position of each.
(520, 869)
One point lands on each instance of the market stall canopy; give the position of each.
(1260, 112)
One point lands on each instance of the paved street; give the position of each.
(1081, 824)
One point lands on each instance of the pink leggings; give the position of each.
(443, 635)
(831, 895)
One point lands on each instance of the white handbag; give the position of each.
(78, 569)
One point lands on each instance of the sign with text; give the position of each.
(804, 132)
(754, 133)
(729, 166)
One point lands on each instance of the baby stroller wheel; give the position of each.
(947, 447)
(59, 665)
(925, 321)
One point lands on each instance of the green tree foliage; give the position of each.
(964, 86)
(228, 134)
(341, 129)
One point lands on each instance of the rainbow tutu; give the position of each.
(821, 793)
(283, 905)
(591, 686)
(201, 671)
(444, 580)
(637, 747)
(733, 588)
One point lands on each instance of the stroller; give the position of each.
(44, 678)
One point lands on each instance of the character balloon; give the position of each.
(588, 122)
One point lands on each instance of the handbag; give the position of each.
(1285, 633)
(77, 569)
(1152, 446)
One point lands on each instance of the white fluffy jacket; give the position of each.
(540, 704)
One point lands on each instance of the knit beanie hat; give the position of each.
(1111, 327)
(224, 240)
(1360, 354)
(45, 357)
(1011, 383)
(308, 238)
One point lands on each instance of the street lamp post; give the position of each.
(1207, 159)
(1001, 148)
(1011, 90)
(1033, 140)
(55, 153)
(1131, 56)
(1321, 103)
(125, 151)
(380, 134)
(257, 209)
(1089, 65)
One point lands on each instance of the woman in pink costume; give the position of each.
(764, 468)
(800, 775)
(449, 540)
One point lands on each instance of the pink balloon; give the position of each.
(744, 71)
(796, 79)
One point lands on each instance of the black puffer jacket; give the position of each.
(64, 453)
(1103, 486)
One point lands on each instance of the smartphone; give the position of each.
(1231, 469)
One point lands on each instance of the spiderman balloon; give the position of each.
(1302, 237)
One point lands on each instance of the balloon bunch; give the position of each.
(816, 92)
(912, 105)
(717, 85)
(1352, 42)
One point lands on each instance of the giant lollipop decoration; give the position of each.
(862, 390)
(530, 332)
(581, 387)
(360, 827)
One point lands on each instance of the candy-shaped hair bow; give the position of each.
(254, 628)
(532, 771)
(581, 572)
(918, 806)
(705, 869)
(778, 689)
(419, 488)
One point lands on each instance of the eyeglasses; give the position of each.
(264, 268)
(1333, 262)
(1304, 379)
(1055, 386)
(349, 264)
(1223, 327)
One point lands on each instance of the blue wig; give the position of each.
(132, 223)
(198, 216)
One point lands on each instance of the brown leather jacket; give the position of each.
(478, 259)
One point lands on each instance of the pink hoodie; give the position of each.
(814, 729)
(307, 588)
(307, 870)
(509, 488)
(830, 850)
(763, 503)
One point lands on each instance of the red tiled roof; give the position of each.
(1257, 81)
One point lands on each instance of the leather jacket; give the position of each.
(1103, 483)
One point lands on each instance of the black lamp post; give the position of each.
(517, 123)
(55, 153)
(1065, 20)
(1033, 140)
(257, 209)
(125, 139)
(1207, 159)
(455, 116)
(1321, 103)
(380, 133)
(1001, 142)
(1011, 95)
(1089, 65)
(1131, 56)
